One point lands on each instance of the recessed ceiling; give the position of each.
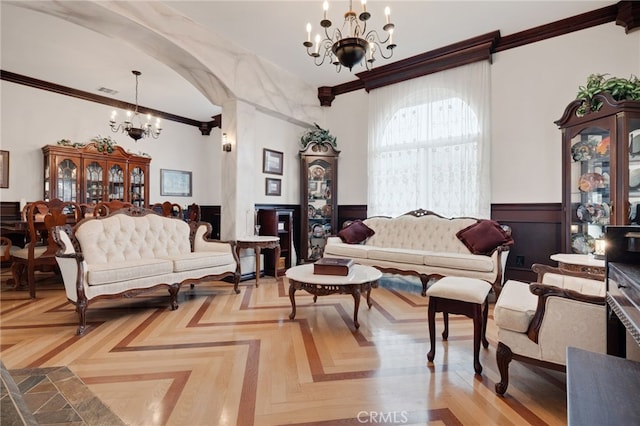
(54, 50)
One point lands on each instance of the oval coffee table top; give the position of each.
(359, 274)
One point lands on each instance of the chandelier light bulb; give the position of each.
(325, 8)
(308, 31)
(387, 13)
(364, 5)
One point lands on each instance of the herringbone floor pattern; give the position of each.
(227, 359)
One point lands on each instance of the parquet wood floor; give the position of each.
(227, 359)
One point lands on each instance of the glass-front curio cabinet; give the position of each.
(600, 171)
(90, 174)
(319, 198)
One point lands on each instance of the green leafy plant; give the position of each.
(619, 88)
(104, 144)
(318, 135)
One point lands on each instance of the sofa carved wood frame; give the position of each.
(504, 355)
(83, 302)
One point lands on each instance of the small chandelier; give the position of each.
(129, 124)
(352, 44)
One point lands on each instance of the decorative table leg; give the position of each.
(257, 249)
(369, 294)
(277, 259)
(292, 292)
(355, 291)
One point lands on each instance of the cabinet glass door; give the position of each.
(320, 208)
(590, 188)
(67, 181)
(634, 171)
(137, 187)
(93, 181)
(116, 183)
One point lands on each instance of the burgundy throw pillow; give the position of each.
(484, 237)
(355, 233)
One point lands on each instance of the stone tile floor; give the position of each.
(47, 396)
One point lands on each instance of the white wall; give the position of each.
(348, 117)
(277, 134)
(531, 87)
(32, 118)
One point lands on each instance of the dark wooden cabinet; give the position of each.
(277, 222)
(87, 175)
(318, 198)
(600, 171)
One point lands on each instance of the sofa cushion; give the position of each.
(200, 260)
(467, 262)
(414, 257)
(347, 250)
(515, 307)
(355, 233)
(484, 237)
(107, 273)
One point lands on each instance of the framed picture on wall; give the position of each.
(273, 186)
(4, 169)
(176, 183)
(272, 161)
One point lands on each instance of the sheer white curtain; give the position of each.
(429, 144)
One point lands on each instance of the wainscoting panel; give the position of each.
(536, 231)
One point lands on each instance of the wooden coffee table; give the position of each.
(361, 279)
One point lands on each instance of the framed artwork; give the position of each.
(175, 183)
(4, 169)
(272, 161)
(273, 186)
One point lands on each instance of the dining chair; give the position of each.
(105, 208)
(193, 213)
(39, 252)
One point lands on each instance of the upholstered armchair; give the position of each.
(538, 321)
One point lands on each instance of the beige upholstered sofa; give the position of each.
(425, 244)
(537, 322)
(134, 250)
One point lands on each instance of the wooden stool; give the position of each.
(462, 296)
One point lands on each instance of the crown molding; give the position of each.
(625, 13)
(204, 126)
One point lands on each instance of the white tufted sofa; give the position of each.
(134, 250)
(423, 244)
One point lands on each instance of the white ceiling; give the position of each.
(57, 51)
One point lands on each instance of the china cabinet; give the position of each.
(600, 172)
(319, 197)
(88, 175)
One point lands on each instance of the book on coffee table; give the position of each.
(332, 266)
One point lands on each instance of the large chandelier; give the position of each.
(132, 124)
(352, 44)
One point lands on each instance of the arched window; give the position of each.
(427, 149)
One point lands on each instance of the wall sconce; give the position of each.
(226, 145)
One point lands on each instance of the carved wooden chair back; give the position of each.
(105, 208)
(167, 209)
(5, 249)
(193, 213)
(41, 217)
